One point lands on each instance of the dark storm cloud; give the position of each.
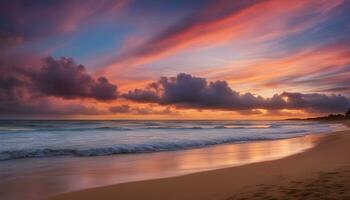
(64, 78)
(17, 98)
(57, 77)
(141, 96)
(194, 92)
(317, 102)
(28, 91)
(189, 91)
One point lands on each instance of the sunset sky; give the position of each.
(181, 59)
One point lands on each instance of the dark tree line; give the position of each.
(345, 116)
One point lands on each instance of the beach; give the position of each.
(46, 159)
(38, 178)
(322, 172)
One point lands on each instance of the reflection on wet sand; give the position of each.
(38, 178)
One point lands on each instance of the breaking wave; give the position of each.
(128, 148)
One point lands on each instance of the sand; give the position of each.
(322, 172)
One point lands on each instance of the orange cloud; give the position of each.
(270, 72)
(257, 21)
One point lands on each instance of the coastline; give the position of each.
(58, 175)
(328, 159)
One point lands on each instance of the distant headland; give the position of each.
(330, 117)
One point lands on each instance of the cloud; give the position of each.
(120, 109)
(323, 69)
(38, 19)
(44, 106)
(316, 102)
(30, 91)
(194, 25)
(17, 98)
(9, 40)
(201, 24)
(146, 110)
(141, 96)
(224, 22)
(64, 78)
(187, 91)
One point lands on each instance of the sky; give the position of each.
(174, 59)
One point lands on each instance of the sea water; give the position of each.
(39, 139)
(46, 158)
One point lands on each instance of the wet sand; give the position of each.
(322, 172)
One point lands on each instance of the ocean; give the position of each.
(39, 139)
(46, 158)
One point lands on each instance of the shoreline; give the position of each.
(59, 175)
(329, 155)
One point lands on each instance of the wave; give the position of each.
(76, 126)
(243, 126)
(111, 128)
(130, 148)
(103, 128)
(78, 129)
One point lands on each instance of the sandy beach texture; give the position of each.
(322, 172)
